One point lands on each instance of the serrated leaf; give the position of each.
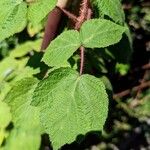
(122, 51)
(98, 33)
(26, 132)
(38, 10)
(13, 17)
(62, 48)
(70, 105)
(19, 99)
(5, 115)
(112, 9)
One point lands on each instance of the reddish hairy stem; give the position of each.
(69, 15)
(85, 14)
(82, 14)
(53, 21)
(89, 14)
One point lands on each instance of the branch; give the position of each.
(134, 89)
(69, 15)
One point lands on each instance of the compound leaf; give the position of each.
(70, 105)
(62, 48)
(98, 33)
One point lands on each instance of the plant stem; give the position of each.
(82, 50)
(69, 15)
(134, 89)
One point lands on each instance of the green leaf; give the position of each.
(122, 68)
(19, 99)
(5, 115)
(12, 17)
(3, 135)
(112, 9)
(5, 119)
(26, 132)
(6, 69)
(25, 48)
(26, 72)
(122, 51)
(70, 105)
(4, 89)
(22, 140)
(98, 33)
(107, 83)
(38, 10)
(62, 48)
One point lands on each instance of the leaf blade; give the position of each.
(70, 105)
(99, 33)
(38, 10)
(62, 48)
(13, 19)
(112, 9)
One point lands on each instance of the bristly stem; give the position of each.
(82, 50)
(85, 14)
(69, 15)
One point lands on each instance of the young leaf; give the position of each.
(98, 33)
(70, 105)
(62, 48)
(13, 17)
(112, 9)
(38, 10)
